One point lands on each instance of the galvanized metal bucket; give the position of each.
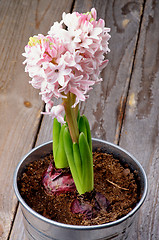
(38, 227)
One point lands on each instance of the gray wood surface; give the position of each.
(123, 109)
(140, 131)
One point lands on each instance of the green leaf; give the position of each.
(89, 137)
(82, 125)
(85, 128)
(87, 164)
(77, 160)
(56, 136)
(69, 153)
(61, 158)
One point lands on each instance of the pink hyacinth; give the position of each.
(67, 61)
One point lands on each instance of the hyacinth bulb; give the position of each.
(55, 181)
(90, 209)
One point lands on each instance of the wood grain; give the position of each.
(127, 83)
(20, 104)
(18, 232)
(106, 106)
(140, 132)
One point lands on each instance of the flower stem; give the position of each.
(71, 116)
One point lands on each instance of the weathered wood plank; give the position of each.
(20, 105)
(18, 232)
(140, 133)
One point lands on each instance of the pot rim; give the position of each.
(58, 224)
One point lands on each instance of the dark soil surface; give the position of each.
(116, 182)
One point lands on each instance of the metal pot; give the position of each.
(40, 228)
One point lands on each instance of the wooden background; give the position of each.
(123, 109)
